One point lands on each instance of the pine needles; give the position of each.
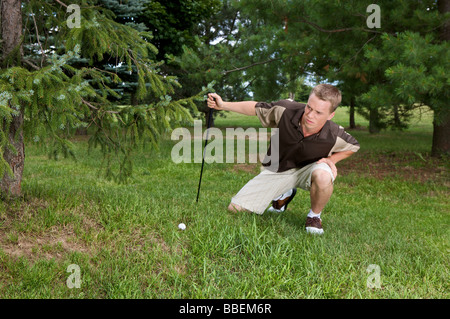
(61, 93)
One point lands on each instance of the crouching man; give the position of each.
(302, 154)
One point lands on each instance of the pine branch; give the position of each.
(356, 54)
(61, 3)
(96, 108)
(259, 63)
(34, 66)
(316, 26)
(65, 5)
(37, 38)
(251, 65)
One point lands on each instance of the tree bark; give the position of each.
(444, 7)
(441, 134)
(352, 113)
(11, 14)
(441, 122)
(374, 125)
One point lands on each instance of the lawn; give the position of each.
(390, 208)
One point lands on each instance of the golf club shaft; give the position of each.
(206, 143)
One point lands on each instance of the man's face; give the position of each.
(317, 113)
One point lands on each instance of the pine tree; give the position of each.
(331, 41)
(126, 12)
(44, 99)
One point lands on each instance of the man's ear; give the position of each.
(331, 116)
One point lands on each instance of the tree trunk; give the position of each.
(444, 7)
(441, 122)
(11, 14)
(352, 113)
(81, 131)
(441, 134)
(374, 125)
(397, 121)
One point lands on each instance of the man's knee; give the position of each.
(321, 178)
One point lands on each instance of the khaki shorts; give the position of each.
(259, 192)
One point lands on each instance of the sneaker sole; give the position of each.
(274, 210)
(314, 230)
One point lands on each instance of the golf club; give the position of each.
(206, 143)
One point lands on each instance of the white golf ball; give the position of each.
(182, 226)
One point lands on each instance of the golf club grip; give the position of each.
(210, 117)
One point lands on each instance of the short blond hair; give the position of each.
(329, 93)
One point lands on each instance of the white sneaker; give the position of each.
(314, 225)
(280, 203)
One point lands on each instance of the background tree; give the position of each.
(11, 136)
(175, 23)
(46, 101)
(126, 12)
(416, 65)
(331, 41)
(228, 49)
(211, 53)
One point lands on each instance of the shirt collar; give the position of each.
(295, 120)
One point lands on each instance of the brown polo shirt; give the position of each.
(295, 150)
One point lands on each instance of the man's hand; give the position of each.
(215, 101)
(333, 159)
(330, 163)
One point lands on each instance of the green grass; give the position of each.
(125, 239)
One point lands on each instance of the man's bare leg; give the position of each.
(320, 193)
(321, 190)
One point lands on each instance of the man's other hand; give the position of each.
(330, 163)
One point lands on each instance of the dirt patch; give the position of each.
(407, 166)
(53, 244)
(139, 242)
(249, 168)
(23, 210)
(356, 128)
(88, 223)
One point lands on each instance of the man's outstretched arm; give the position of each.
(246, 107)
